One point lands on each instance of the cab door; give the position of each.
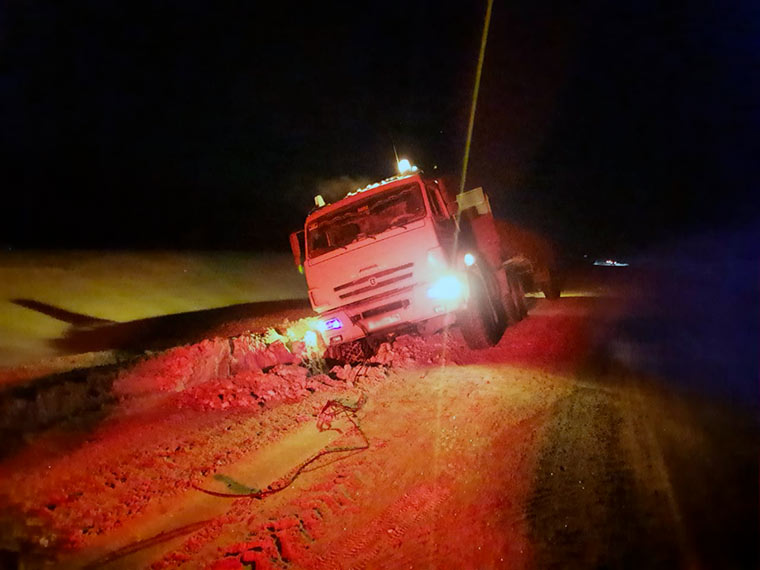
(445, 226)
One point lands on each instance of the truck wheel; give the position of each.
(514, 312)
(507, 296)
(484, 321)
(517, 291)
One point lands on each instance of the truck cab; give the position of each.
(384, 258)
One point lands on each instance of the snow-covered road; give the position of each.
(548, 450)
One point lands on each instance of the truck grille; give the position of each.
(380, 310)
(374, 281)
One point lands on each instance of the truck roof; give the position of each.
(360, 192)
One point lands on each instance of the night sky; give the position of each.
(208, 125)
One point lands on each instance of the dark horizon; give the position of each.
(186, 126)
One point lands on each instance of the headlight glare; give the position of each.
(446, 288)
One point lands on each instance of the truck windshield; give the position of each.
(365, 218)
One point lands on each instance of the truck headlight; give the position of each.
(447, 288)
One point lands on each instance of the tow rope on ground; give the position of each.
(332, 410)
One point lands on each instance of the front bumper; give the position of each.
(411, 306)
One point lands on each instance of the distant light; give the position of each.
(469, 259)
(333, 324)
(404, 166)
(609, 263)
(446, 288)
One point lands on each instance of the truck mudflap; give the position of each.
(534, 277)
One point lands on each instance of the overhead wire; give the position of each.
(475, 91)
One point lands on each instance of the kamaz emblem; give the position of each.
(372, 281)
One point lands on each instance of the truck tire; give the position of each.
(517, 290)
(512, 305)
(484, 321)
(507, 296)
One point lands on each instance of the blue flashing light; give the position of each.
(333, 324)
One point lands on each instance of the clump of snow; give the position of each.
(175, 369)
(171, 443)
(283, 383)
(251, 371)
(411, 350)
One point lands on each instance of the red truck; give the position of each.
(404, 254)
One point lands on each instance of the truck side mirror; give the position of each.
(452, 206)
(296, 246)
(474, 198)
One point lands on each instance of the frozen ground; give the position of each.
(561, 447)
(532, 454)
